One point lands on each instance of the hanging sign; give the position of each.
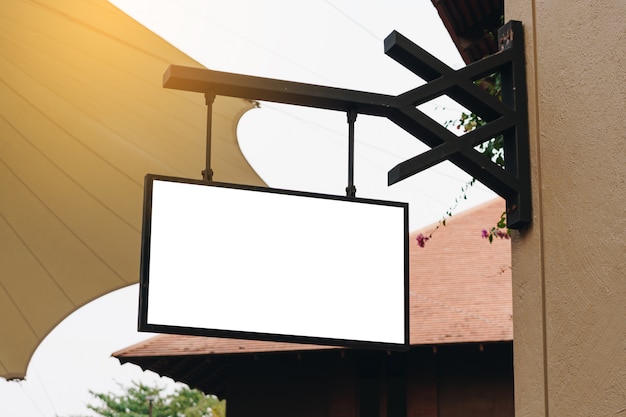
(256, 263)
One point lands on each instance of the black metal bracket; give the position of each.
(508, 117)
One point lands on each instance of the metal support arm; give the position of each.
(508, 117)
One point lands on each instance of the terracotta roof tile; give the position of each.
(180, 345)
(460, 284)
(460, 291)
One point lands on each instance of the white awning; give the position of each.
(83, 117)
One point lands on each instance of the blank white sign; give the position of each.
(273, 265)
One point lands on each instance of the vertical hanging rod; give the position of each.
(351, 189)
(207, 173)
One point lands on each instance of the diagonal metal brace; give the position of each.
(507, 117)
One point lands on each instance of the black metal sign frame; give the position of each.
(227, 283)
(508, 117)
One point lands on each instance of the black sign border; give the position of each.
(144, 281)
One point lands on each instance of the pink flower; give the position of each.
(485, 234)
(421, 240)
(501, 234)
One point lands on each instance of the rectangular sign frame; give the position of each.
(375, 291)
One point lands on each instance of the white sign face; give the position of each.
(265, 264)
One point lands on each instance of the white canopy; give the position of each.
(83, 117)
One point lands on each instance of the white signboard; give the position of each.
(256, 263)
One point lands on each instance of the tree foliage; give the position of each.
(137, 399)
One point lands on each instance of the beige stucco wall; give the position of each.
(569, 268)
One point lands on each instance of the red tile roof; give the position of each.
(473, 25)
(460, 291)
(180, 345)
(460, 284)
